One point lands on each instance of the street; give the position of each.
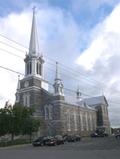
(88, 148)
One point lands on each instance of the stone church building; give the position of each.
(60, 116)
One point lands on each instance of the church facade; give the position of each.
(83, 116)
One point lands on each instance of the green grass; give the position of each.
(14, 142)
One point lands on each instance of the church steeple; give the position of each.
(58, 85)
(34, 45)
(78, 93)
(34, 61)
(57, 72)
(18, 85)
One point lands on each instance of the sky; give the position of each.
(83, 37)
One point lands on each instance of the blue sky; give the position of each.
(85, 13)
(83, 36)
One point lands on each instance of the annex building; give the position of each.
(60, 116)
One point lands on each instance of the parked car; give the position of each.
(39, 142)
(71, 138)
(77, 138)
(117, 135)
(95, 134)
(65, 137)
(59, 139)
(50, 141)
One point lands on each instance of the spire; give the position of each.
(33, 46)
(57, 72)
(78, 93)
(58, 85)
(18, 85)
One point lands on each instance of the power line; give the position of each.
(13, 41)
(11, 70)
(67, 75)
(67, 89)
(64, 66)
(8, 69)
(11, 53)
(11, 46)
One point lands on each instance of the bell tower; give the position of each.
(31, 86)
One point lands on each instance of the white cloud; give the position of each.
(58, 34)
(101, 59)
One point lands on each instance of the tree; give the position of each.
(5, 118)
(18, 120)
(30, 125)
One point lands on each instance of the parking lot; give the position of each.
(88, 148)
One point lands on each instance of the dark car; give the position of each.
(77, 138)
(71, 138)
(117, 135)
(39, 142)
(95, 134)
(103, 135)
(50, 141)
(59, 139)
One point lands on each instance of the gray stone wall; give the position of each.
(67, 119)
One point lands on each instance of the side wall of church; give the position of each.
(71, 119)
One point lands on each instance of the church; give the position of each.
(60, 116)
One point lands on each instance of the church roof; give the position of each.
(94, 101)
(73, 101)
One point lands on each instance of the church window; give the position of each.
(37, 68)
(17, 97)
(91, 123)
(26, 100)
(75, 120)
(68, 121)
(29, 67)
(40, 69)
(81, 121)
(87, 126)
(48, 112)
(94, 121)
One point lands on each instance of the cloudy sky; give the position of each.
(83, 37)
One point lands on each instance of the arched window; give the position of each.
(40, 72)
(37, 68)
(27, 68)
(49, 112)
(81, 121)
(26, 100)
(30, 65)
(75, 121)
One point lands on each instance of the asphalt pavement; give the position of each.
(88, 148)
